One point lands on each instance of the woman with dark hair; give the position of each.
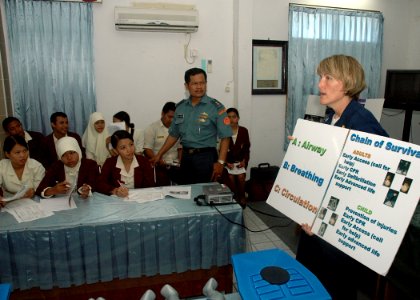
(237, 157)
(18, 171)
(71, 171)
(125, 171)
(137, 135)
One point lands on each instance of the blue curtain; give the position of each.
(316, 33)
(52, 63)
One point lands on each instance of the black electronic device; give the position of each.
(215, 194)
(402, 89)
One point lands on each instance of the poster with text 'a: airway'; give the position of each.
(306, 170)
(369, 196)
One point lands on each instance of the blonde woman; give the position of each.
(341, 80)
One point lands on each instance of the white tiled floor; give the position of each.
(265, 239)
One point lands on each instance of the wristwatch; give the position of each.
(222, 162)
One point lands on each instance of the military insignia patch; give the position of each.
(203, 117)
(226, 121)
(217, 103)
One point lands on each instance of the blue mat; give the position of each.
(302, 284)
(5, 289)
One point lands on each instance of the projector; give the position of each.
(217, 194)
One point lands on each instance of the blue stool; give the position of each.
(5, 290)
(301, 285)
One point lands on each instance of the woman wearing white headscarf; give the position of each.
(94, 139)
(72, 171)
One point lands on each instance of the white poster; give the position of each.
(306, 170)
(372, 193)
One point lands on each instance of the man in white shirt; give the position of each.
(154, 138)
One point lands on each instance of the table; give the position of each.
(106, 239)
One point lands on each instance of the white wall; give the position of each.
(270, 21)
(138, 71)
(401, 51)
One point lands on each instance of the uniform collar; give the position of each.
(161, 124)
(203, 100)
(348, 112)
(27, 136)
(120, 165)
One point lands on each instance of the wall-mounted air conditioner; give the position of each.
(156, 19)
(93, 1)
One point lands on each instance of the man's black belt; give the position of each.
(192, 151)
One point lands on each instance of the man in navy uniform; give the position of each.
(199, 121)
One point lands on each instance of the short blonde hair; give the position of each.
(346, 69)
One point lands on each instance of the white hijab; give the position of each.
(95, 142)
(65, 144)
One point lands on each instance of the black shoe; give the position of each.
(242, 203)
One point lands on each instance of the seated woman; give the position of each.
(95, 137)
(125, 171)
(72, 171)
(18, 171)
(137, 135)
(237, 157)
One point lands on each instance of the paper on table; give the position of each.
(57, 204)
(25, 210)
(115, 127)
(145, 195)
(181, 192)
(152, 194)
(236, 170)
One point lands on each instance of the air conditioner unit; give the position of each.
(93, 1)
(151, 19)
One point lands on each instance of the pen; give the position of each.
(71, 192)
(124, 188)
(122, 184)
